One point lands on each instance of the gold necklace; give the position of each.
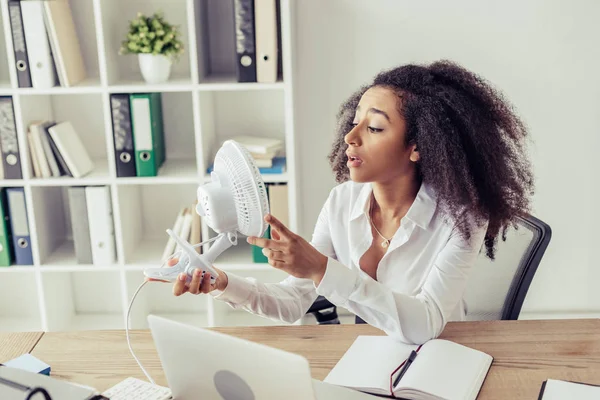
(386, 242)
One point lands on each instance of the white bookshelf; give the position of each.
(202, 105)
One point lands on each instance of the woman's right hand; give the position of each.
(198, 284)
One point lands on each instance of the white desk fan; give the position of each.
(234, 201)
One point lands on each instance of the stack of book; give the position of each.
(187, 226)
(45, 43)
(56, 150)
(266, 152)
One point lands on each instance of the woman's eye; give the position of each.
(374, 130)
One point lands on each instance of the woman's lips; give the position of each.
(354, 161)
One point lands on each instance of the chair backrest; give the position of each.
(497, 289)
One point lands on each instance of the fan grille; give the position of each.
(247, 187)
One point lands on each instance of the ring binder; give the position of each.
(24, 388)
(31, 384)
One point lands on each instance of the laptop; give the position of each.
(212, 365)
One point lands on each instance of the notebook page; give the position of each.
(560, 390)
(369, 362)
(447, 370)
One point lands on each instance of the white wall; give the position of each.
(544, 55)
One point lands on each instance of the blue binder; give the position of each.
(19, 226)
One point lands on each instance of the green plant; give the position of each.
(152, 35)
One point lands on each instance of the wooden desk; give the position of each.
(14, 344)
(525, 352)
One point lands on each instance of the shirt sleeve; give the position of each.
(287, 300)
(412, 319)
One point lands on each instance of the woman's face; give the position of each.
(377, 150)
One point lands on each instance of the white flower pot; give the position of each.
(155, 68)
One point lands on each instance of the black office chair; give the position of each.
(496, 289)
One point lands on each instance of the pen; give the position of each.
(409, 361)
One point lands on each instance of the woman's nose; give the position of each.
(352, 136)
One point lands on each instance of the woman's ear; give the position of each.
(414, 154)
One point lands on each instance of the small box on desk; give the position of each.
(29, 363)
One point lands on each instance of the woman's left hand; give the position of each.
(290, 252)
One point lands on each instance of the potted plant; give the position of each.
(156, 43)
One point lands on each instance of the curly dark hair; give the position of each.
(470, 141)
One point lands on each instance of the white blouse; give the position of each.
(420, 279)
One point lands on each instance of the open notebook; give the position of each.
(440, 369)
(553, 389)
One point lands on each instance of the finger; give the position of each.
(275, 255)
(263, 242)
(276, 264)
(172, 262)
(274, 234)
(278, 225)
(179, 287)
(205, 285)
(154, 280)
(195, 283)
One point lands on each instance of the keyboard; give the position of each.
(137, 389)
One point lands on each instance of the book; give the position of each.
(64, 42)
(438, 369)
(554, 389)
(259, 144)
(71, 148)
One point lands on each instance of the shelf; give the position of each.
(202, 105)
(148, 251)
(123, 70)
(228, 82)
(17, 269)
(88, 85)
(146, 211)
(83, 300)
(174, 84)
(19, 306)
(63, 259)
(5, 88)
(12, 182)
(98, 176)
(173, 171)
(84, 112)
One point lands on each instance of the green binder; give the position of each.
(6, 250)
(148, 132)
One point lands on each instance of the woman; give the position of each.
(432, 168)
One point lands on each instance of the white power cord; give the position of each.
(131, 304)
